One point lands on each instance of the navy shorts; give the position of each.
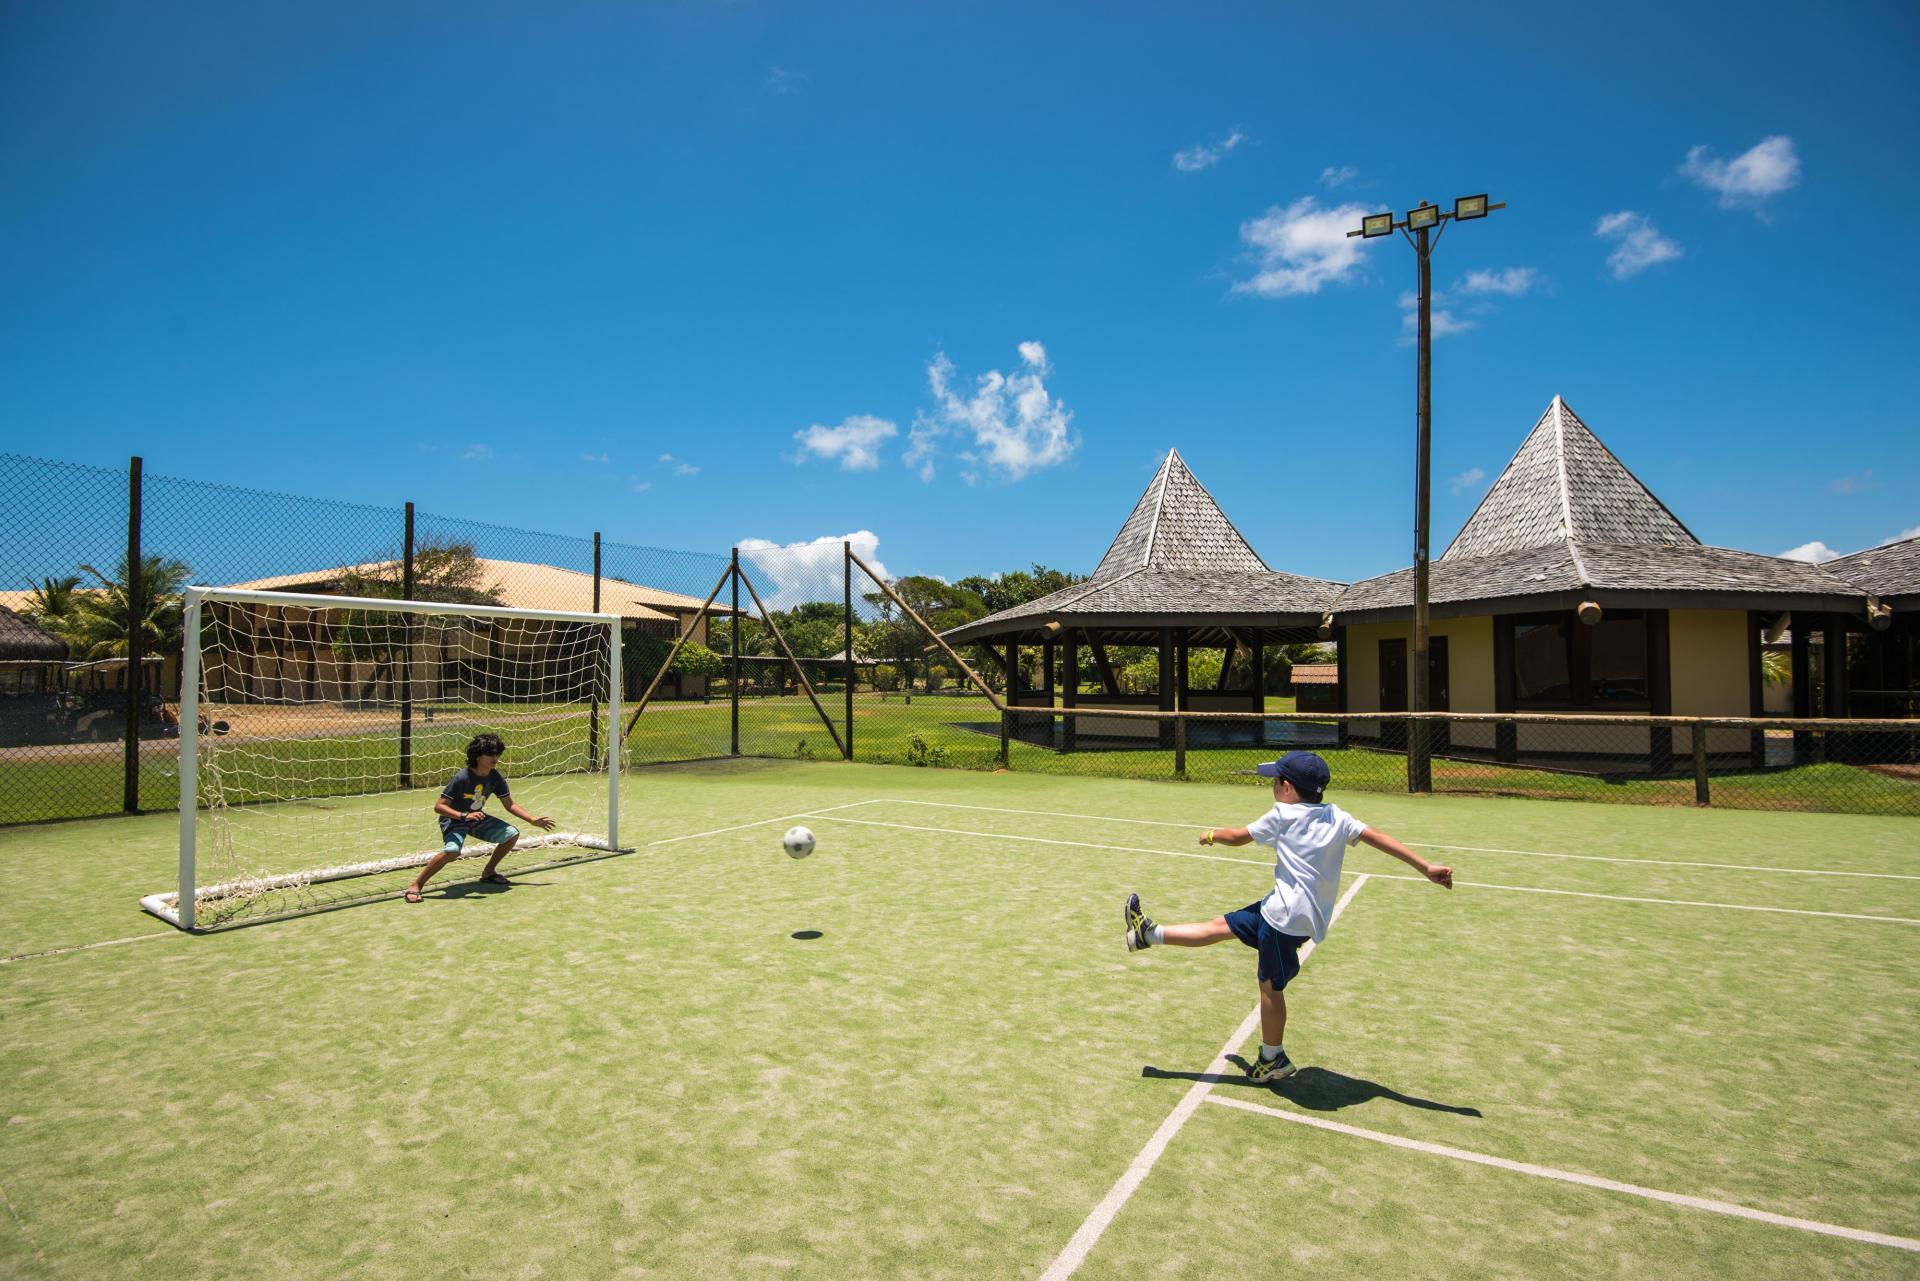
(1279, 953)
(489, 829)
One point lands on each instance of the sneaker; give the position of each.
(1266, 1071)
(1139, 925)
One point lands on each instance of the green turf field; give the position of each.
(642, 1066)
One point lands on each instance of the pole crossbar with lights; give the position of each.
(1422, 228)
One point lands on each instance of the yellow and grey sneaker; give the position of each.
(1139, 926)
(1263, 1071)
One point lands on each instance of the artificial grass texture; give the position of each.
(630, 1068)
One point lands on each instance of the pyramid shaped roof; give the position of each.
(1565, 519)
(1563, 485)
(1177, 561)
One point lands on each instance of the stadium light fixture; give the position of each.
(1423, 228)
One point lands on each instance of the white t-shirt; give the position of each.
(1308, 842)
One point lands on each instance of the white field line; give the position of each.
(1385, 876)
(1435, 845)
(1036, 840)
(691, 836)
(1584, 1180)
(1669, 902)
(1075, 1252)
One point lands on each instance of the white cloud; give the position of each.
(1206, 155)
(1510, 281)
(595, 458)
(1852, 483)
(1639, 244)
(1444, 322)
(789, 574)
(1814, 553)
(785, 81)
(1467, 480)
(1750, 179)
(1300, 248)
(1014, 423)
(1332, 178)
(680, 466)
(477, 453)
(1902, 536)
(855, 442)
(639, 486)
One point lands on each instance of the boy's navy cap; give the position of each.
(1305, 770)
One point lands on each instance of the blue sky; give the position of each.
(698, 273)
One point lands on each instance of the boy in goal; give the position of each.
(1309, 837)
(462, 810)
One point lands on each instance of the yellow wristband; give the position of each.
(1206, 837)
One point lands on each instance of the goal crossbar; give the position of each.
(177, 907)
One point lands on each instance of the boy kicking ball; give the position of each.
(1309, 838)
(462, 810)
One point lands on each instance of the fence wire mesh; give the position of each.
(805, 655)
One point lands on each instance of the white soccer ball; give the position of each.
(798, 842)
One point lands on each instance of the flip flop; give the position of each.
(494, 878)
(413, 893)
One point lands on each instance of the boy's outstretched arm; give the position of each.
(1437, 873)
(540, 821)
(1226, 836)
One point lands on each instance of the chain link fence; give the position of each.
(795, 653)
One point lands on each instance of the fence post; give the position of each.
(406, 655)
(1701, 793)
(734, 698)
(1006, 732)
(136, 641)
(1179, 746)
(593, 720)
(846, 570)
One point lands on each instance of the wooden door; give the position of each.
(1393, 691)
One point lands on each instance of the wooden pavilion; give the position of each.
(1880, 676)
(1178, 576)
(1573, 589)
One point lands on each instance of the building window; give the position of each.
(1560, 664)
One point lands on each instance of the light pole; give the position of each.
(1420, 224)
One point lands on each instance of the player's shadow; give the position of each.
(1316, 1088)
(484, 889)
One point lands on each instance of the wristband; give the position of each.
(1206, 836)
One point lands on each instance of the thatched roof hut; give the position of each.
(23, 640)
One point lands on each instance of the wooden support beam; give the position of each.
(1100, 663)
(1226, 666)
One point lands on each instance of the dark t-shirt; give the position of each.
(468, 791)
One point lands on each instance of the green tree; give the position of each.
(448, 572)
(894, 636)
(52, 603)
(1004, 591)
(102, 615)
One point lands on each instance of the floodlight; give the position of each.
(1423, 217)
(1470, 206)
(1376, 225)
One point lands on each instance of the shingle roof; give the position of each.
(1889, 571)
(1565, 517)
(1177, 556)
(24, 639)
(1563, 484)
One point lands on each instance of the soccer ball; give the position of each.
(798, 842)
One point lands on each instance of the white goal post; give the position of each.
(315, 731)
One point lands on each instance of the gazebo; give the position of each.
(1881, 674)
(1178, 576)
(1573, 589)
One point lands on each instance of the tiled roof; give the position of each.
(1562, 485)
(1177, 554)
(1567, 516)
(1891, 570)
(520, 585)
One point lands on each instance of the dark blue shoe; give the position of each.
(1139, 925)
(1266, 1071)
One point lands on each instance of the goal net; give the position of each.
(317, 731)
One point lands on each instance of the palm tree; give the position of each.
(52, 602)
(102, 616)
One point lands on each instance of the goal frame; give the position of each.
(177, 908)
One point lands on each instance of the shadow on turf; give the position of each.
(1316, 1088)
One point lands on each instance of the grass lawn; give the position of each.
(924, 1052)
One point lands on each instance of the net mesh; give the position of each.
(327, 732)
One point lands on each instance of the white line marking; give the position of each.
(1435, 845)
(758, 822)
(1670, 902)
(1036, 840)
(1584, 1180)
(691, 836)
(1076, 1250)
